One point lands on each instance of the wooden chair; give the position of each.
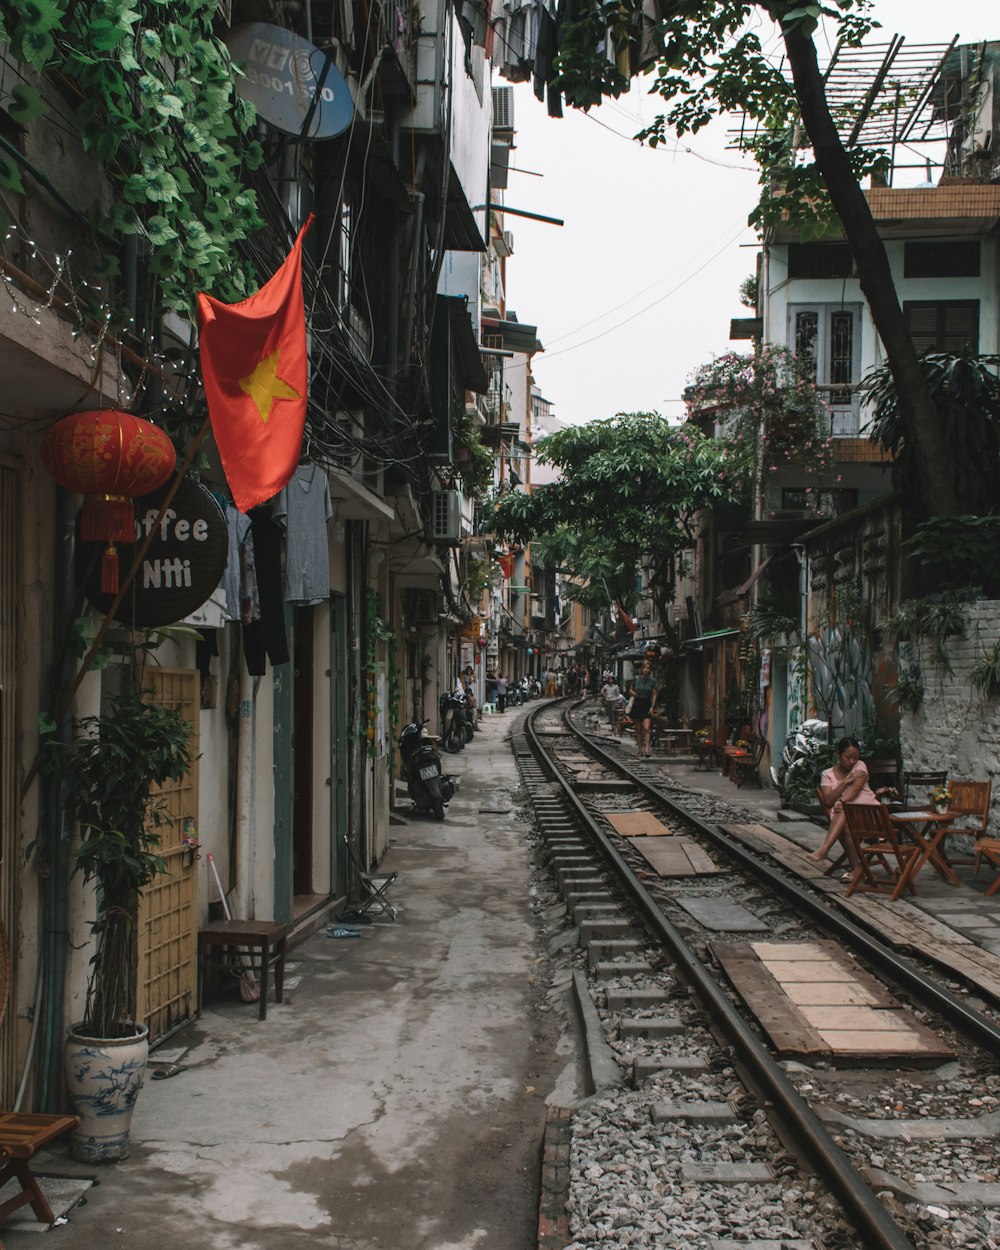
(837, 863)
(988, 849)
(747, 767)
(920, 783)
(875, 840)
(971, 799)
(23, 1133)
(884, 772)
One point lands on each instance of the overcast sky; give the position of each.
(638, 288)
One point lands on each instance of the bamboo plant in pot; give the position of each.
(107, 773)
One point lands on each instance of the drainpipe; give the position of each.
(54, 910)
(241, 871)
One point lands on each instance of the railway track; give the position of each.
(705, 1130)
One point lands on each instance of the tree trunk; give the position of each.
(919, 414)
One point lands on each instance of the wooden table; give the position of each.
(675, 737)
(269, 936)
(927, 829)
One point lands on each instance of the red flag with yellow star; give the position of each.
(255, 370)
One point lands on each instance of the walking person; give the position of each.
(611, 693)
(549, 682)
(643, 690)
(501, 692)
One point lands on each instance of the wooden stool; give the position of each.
(267, 935)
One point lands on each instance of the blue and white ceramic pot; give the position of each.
(103, 1079)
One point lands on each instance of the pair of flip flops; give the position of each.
(342, 931)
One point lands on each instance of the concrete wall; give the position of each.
(954, 728)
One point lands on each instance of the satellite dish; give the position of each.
(293, 85)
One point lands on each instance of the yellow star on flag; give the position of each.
(264, 386)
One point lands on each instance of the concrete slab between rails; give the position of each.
(601, 1065)
(786, 1243)
(954, 1194)
(975, 1128)
(646, 1066)
(700, 1112)
(726, 1173)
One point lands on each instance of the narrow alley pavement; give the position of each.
(394, 1101)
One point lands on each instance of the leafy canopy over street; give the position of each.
(627, 499)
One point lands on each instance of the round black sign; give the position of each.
(183, 565)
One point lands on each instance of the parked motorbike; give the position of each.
(799, 756)
(471, 716)
(426, 784)
(515, 694)
(532, 687)
(451, 705)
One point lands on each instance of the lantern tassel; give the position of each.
(109, 570)
(107, 518)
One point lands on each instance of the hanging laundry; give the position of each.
(303, 509)
(265, 639)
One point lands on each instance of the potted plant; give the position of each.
(941, 796)
(107, 774)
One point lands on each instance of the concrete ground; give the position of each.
(394, 1101)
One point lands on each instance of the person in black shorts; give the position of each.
(643, 690)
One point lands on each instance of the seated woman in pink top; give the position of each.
(845, 782)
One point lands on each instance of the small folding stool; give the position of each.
(373, 886)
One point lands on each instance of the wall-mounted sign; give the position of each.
(293, 85)
(183, 565)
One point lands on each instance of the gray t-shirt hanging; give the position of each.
(303, 509)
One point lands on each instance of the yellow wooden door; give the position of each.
(168, 913)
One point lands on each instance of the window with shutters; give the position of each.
(954, 259)
(943, 325)
(830, 336)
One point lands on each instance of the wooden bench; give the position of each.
(22, 1133)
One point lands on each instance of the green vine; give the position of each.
(153, 96)
(378, 633)
(474, 463)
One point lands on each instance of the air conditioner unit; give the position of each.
(446, 516)
(503, 108)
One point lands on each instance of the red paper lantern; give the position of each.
(109, 457)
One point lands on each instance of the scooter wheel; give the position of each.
(437, 806)
(470, 732)
(454, 742)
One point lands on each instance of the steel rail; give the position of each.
(870, 1218)
(974, 1025)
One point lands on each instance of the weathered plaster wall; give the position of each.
(954, 728)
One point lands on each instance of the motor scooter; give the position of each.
(515, 694)
(451, 706)
(471, 716)
(426, 783)
(802, 746)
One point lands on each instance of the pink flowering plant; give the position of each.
(770, 411)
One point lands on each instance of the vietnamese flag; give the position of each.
(255, 370)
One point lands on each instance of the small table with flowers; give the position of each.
(927, 829)
(704, 750)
